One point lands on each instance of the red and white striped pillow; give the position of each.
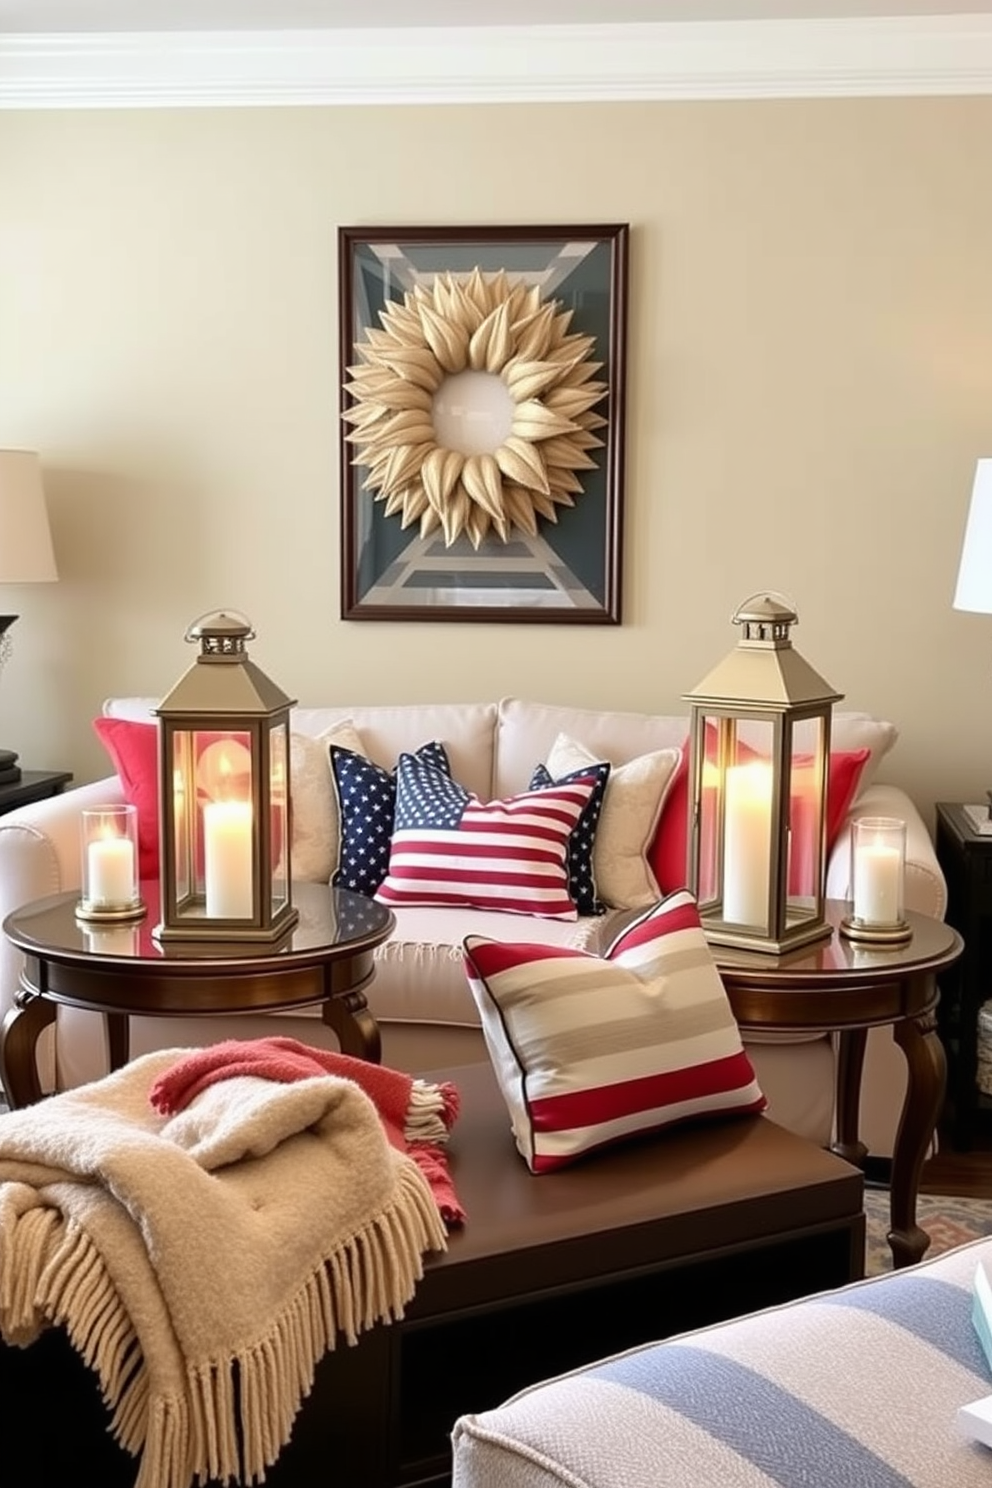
(448, 847)
(591, 1050)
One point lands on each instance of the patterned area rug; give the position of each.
(948, 1221)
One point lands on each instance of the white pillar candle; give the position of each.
(227, 859)
(877, 884)
(747, 843)
(110, 870)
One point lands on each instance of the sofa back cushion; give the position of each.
(467, 731)
(526, 733)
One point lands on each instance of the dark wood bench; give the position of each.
(550, 1272)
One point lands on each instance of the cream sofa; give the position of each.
(420, 996)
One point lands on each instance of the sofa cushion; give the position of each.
(591, 1050)
(632, 805)
(581, 879)
(451, 848)
(366, 801)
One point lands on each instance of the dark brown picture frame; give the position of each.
(568, 570)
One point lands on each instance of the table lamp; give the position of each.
(26, 555)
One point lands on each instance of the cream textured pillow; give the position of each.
(316, 834)
(635, 794)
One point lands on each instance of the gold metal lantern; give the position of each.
(224, 805)
(759, 758)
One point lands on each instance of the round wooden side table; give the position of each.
(122, 970)
(846, 987)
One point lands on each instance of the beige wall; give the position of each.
(809, 386)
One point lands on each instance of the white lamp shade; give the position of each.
(26, 555)
(974, 588)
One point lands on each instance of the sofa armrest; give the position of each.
(40, 854)
(926, 887)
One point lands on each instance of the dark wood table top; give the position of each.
(328, 918)
(837, 982)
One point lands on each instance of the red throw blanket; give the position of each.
(416, 1115)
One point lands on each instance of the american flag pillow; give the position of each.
(591, 1050)
(449, 847)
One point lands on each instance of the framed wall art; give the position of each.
(481, 429)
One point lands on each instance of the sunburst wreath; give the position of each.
(483, 323)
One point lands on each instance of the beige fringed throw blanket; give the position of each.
(240, 1239)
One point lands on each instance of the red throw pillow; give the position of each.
(133, 748)
(667, 854)
(846, 770)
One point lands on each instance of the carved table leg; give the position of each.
(19, 1035)
(357, 1031)
(850, 1062)
(927, 1068)
(118, 1039)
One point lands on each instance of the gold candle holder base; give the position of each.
(110, 914)
(882, 935)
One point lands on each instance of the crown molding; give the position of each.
(886, 56)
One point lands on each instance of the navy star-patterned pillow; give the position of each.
(581, 883)
(366, 806)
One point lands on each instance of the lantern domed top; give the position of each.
(222, 635)
(766, 621)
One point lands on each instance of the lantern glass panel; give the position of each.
(279, 862)
(709, 836)
(184, 809)
(748, 821)
(224, 823)
(807, 802)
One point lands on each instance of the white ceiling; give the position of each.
(40, 17)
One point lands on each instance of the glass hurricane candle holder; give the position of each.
(110, 864)
(878, 881)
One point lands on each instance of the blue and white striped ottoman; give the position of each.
(856, 1388)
